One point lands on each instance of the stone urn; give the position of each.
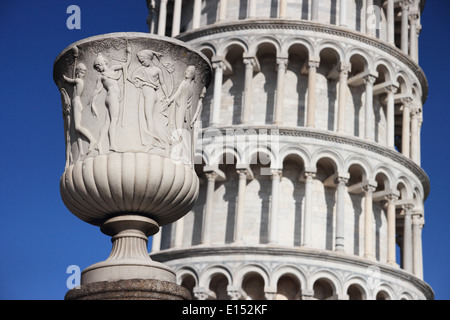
(130, 103)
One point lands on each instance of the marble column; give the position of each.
(390, 22)
(283, 6)
(407, 238)
(369, 114)
(343, 13)
(390, 115)
(413, 21)
(218, 67)
(315, 10)
(162, 18)
(250, 64)
(309, 183)
(209, 206)
(252, 9)
(405, 5)
(406, 126)
(417, 226)
(391, 226)
(239, 224)
(281, 72)
(176, 18)
(343, 87)
(274, 204)
(311, 110)
(223, 10)
(197, 14)
(369, 233)
(340, 214)
(419, 144)
(179, 228)
(415, 135)
(418, 30)
(156, 241)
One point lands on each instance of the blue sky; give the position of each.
(40, 238)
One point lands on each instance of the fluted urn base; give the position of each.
(129, 258)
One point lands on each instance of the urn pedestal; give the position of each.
(130, 104)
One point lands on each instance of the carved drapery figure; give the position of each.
(109, 80)
(154, 80)
(180, 108)
(77, 107)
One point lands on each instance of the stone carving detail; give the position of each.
(155, 81)
(133, 94)
(144, 93)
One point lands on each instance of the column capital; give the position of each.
(418, 28)
(407, 102)
(391, 89)
(247, 172)
(211, 175)
(218, 64)
(413, 16)
(370, 78)
(341, 180)
(344, 68)
(313, 63)
(282, 62)
(408, 208)
(310, 175)
(369, 188)
(276, 173)
(415, 112)
(417, 219)
(249, 61)
(391, 198)
(405, 4)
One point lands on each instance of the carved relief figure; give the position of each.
(154, 80)
(183, 100)
(109, 80)
(77, 108)
(181, 109)
(67, 109)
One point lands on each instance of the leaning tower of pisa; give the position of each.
(308, 150)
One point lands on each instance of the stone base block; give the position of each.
(134, 289)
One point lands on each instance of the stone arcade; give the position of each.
(332, 205)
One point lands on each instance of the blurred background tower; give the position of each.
(309, 150)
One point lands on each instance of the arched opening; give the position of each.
(326, 89)
(325, 186)
(359, 69)
(356, 292)
(402, 93)
(253, 285)
(323, 290)
(189, 283)
(379, 103)
(226, 200)
(292, 196)
(356, 182)
(288, 288)
(400, 213)
(233, 86)
(264, 88)
(296, 85)
(218, 285)
(382, 295)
